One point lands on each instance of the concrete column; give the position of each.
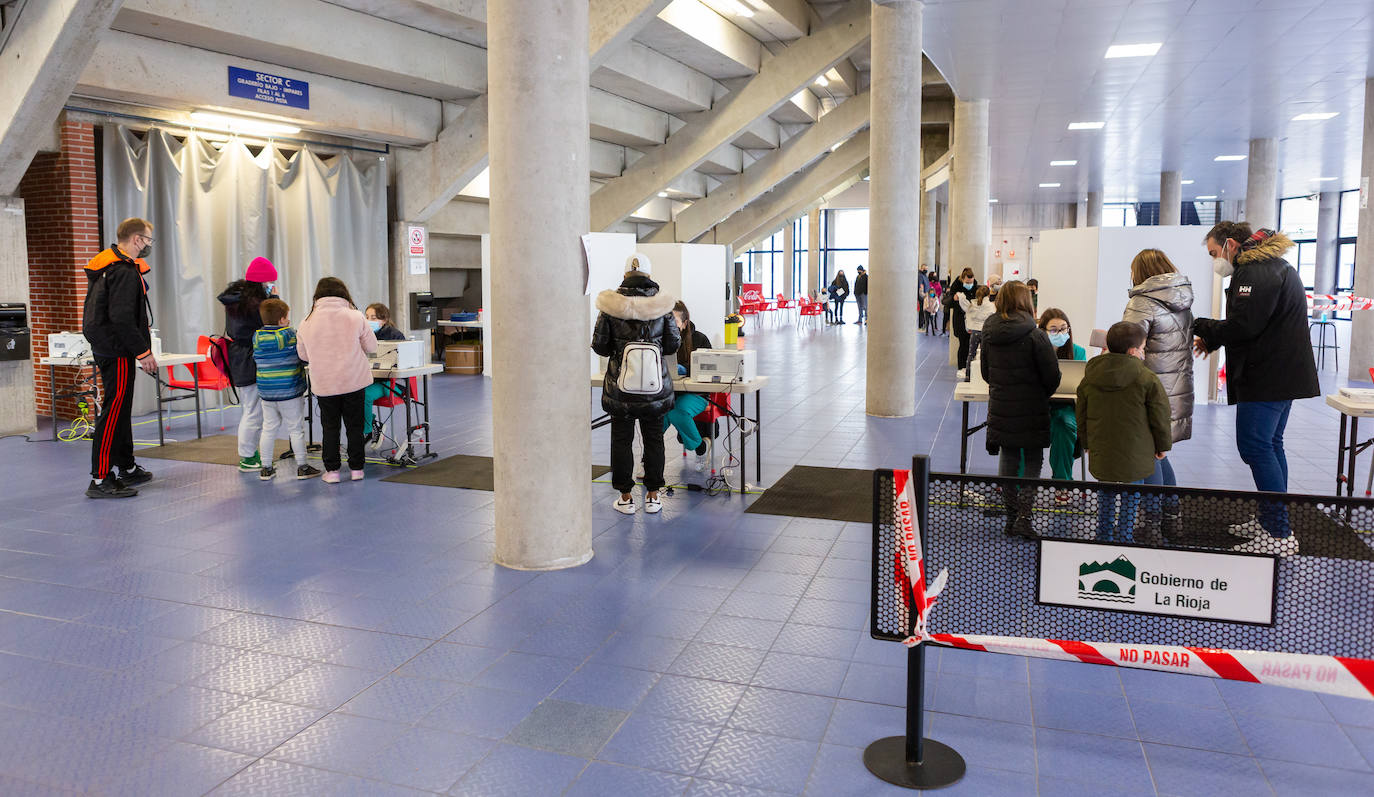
(894, 207)
(942, 232)
(968, 187)
(537, 72)
(1170, 199)
(813, 250)
(1094, 207)
(927, 236)
(1328, 233)
(16, 376)
(1362, 328)
(789, 256)
(1262, 184)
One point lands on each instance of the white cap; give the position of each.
(639, 262)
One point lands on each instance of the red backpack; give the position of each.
(218, 355)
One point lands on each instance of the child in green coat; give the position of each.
(1123, 424)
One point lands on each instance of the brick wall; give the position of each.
(63, 232)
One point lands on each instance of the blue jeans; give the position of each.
(1163, 475)
(1259, 439)
(863, 306)
(1111, 525)
(686, 407)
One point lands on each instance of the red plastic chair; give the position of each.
(395, 397)
(811, 311)
(717, 407)
(206, 374)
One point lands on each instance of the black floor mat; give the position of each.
(824, 493)
(462, 471)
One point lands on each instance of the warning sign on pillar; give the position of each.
(416, 237)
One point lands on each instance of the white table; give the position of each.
(977, 393)
(477, 325)
(73, 362)
(1351, 411)
(743, 389)
(404, 455)
(165, 360)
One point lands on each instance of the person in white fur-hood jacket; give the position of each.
(636, 311)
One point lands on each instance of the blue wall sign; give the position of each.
(253, 85)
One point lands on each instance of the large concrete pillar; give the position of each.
(789, 256)
(537, 73)
(813, 250)
(1328, 246)
(968, 187)
(1170, 199)
(1094, 207)
(16, 376)
(894, 207)
(1262, 184)
(927, 236)
(1362, 328)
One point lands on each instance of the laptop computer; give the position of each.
(1070, 374)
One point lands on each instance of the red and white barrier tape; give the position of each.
(1334, 675)
(1326, 301)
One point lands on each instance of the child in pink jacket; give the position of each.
(335, 339)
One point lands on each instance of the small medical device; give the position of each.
(398, 354)
(724, 365)
(68, 345)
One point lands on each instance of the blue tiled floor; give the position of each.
(220, 635)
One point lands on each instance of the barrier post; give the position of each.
(911, 761)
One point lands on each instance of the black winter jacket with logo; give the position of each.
(116, 316)
(634, 312)
(1268, 349)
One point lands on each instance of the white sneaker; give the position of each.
(1278, 546)
(625, 507)
(653, 505)
(962, 373)
(704, 458)
(1250, 529)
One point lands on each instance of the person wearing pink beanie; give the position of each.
(242, 320)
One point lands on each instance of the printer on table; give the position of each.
(398, 354)
(724, 365)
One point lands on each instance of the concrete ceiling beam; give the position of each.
(692, 33)
(464, 20)
(762, 134)
(607, 160)
(781, 77)
(46, 51)
(834, 172)
(801, 108)
(136, 69)
(426, 180)
(783, 20)
(461, 217)
(770, 170)
(651, 78)
(320, 37)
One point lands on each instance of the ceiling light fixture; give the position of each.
(992, 202)
(836, 146)
(1133, 50)
(1063, 163)
(1049, 185)
(1315, 117)
(662, 194)
(1224, 158)
(1209, 196)
(240, 124)
(1324, 179)
(1087, 125)
(822, 81)
(1185, 182)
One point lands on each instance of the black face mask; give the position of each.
(145, 251)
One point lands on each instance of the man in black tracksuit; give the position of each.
(116, 321)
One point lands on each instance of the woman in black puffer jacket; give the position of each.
(637, 311)
(1022, 372)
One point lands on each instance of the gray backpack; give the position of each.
(641, 368)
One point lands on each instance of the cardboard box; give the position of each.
(463, 358)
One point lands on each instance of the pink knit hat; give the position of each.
(261, 270)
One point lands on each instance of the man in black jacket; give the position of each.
(861, 294)
(1268, 363)
(116, 321)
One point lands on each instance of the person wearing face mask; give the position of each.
(966, 286)
(379, 321)
(116, 320)
(242, 301)
(1063, 422)
(1269, 363)
(1123, 424)
(1161, 303)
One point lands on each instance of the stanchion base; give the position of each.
(942, 767)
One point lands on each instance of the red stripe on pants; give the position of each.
(108, 431)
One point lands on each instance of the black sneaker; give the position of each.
(109, 487)
(136, 476)
(307, 472)
(267, 473)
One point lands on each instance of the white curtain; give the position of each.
(215, 206)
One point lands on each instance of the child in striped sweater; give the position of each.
(281, 386)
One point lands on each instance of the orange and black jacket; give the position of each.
(117, 316)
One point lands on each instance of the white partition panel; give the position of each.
(696, 274)
(1086, 272)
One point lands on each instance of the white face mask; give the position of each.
(1221, 265)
